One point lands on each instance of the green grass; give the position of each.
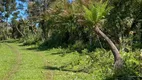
(7, 60)
(31, 66)
(61, 64)
(58, 58)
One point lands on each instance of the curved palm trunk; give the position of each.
(43, 29)
(118, 63)
(19, 31)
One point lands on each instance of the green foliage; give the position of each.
(132, 60)
(68, 64)
(98, 64)
(31, 37)
(96, 11)
(5, 32)
(64, 25)
(123, 19)
(78, 46)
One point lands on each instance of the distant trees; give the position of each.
(9, 15)
(64, 23)
(58, 15)
(5, 32)
(64, 19)
(77, 24)
(124, 19)
(6, 9)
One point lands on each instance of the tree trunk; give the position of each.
(22, 35)
(43, 29)
(118, 62)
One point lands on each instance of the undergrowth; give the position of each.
(97, 64)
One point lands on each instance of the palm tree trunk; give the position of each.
(19, 31)
(118, 63)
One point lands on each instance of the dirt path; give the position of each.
(15, 67)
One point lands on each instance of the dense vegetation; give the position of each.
(100, 39)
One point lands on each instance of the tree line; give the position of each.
(79, 24)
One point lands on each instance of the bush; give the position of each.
(31, 39)
(78, 46)
(100, 64)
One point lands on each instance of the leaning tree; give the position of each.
(94, 16)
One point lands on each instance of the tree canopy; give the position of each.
(114, 25)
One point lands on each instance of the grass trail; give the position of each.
(36, 65)
(56, 60)
(31, 67)
(15, 67)
(17, 63)
(7, 61)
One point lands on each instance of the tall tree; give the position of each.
(94, 16)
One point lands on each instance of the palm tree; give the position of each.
(94, 15)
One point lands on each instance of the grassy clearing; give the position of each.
(31, 65)
(64, 64)
(61, 64)
(56, 59)
(7, 60)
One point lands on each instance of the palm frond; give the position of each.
(88, 14)
(96, 12)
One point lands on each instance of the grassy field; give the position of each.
(7, 61)
(19, 62)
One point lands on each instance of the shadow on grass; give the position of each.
(48, 45)
(61, 69)
(45, 47)
(32, 48)
(9, 41)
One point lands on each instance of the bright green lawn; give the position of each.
(7, 60)
(30, 67)
(57, 64)
(56, 60)
(38, 65)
